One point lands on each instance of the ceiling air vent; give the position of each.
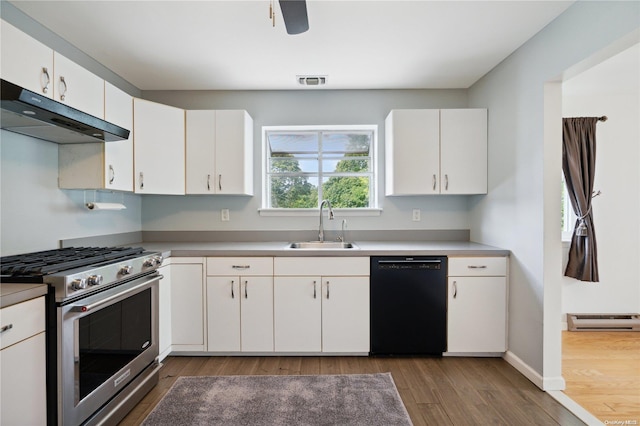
(312, 80)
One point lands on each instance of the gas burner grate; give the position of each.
(33, 266)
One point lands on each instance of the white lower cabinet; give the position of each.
(164, 314)
(240, 304)
(22, 363)
(187, 305)
(321, 304)
(240, 314)
(477, 305)
(297, 314)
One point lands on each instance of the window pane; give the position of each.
(350, 165)
(293, 143)
(351, 143)
(293, 192)
(346, 192)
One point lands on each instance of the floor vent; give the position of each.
(603, 322)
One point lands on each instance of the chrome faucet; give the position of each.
(321, 229)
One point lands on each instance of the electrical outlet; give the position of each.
(224, 215)
(416, 215)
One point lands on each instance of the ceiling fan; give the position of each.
(294, 14)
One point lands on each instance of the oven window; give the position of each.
(111, 338)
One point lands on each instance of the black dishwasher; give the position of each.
(408, 305)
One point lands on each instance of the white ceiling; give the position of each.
(361, 44)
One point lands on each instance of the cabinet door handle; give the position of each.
(327, 290)
(141, 181)
(455, 289)
(63, 88)
(477, 266)
(434, 182)
(208, 182)
(233, 296)
(220, 182)
(446, 182)
(46, 80)
(246, 284)
(314, 290)
(112, 174)
(6, 327)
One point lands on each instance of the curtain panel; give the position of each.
(578, 166)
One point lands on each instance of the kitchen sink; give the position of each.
(322, 245)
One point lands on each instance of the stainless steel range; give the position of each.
(102, 326)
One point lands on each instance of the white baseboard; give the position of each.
(554, 387)
(544, 383)
(524, 369)
(575, 408)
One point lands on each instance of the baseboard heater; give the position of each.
(603, 322)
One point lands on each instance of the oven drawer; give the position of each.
(21, 321)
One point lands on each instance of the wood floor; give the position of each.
(436, 391)
(602, 374)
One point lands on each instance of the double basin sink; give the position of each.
(322, 245)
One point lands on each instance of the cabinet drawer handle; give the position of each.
(63, 88)
(246, 284)
(477, 266)
(112, 174)
(46, 81)
(233, 296)
(314, 290)
(6, 327)
(434, 182)
(241, 266)
(455, 289)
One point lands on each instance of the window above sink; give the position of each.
(305, 164)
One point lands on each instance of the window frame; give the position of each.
(373, 209)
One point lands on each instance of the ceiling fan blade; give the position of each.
(294, 13)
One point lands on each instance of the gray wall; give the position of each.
(35, 215)
(268, 108)
(515, 214)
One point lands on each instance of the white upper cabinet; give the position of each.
(36, 67)
(106, 165)
(463, 151)
(118, 164)
(430, 151)
(412, 152)
(25, 61)
(159, 145)
(77, 87)
(219, 152)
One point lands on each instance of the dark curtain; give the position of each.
(578, 165)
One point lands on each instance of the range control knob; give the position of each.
(125, 270)
(79, 284)
(94, 280)
(153, 261)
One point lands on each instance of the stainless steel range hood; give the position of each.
(32, 114)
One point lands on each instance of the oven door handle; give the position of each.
(108, 300)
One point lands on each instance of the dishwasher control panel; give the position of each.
(410, 263)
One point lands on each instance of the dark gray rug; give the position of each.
(354, 399)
